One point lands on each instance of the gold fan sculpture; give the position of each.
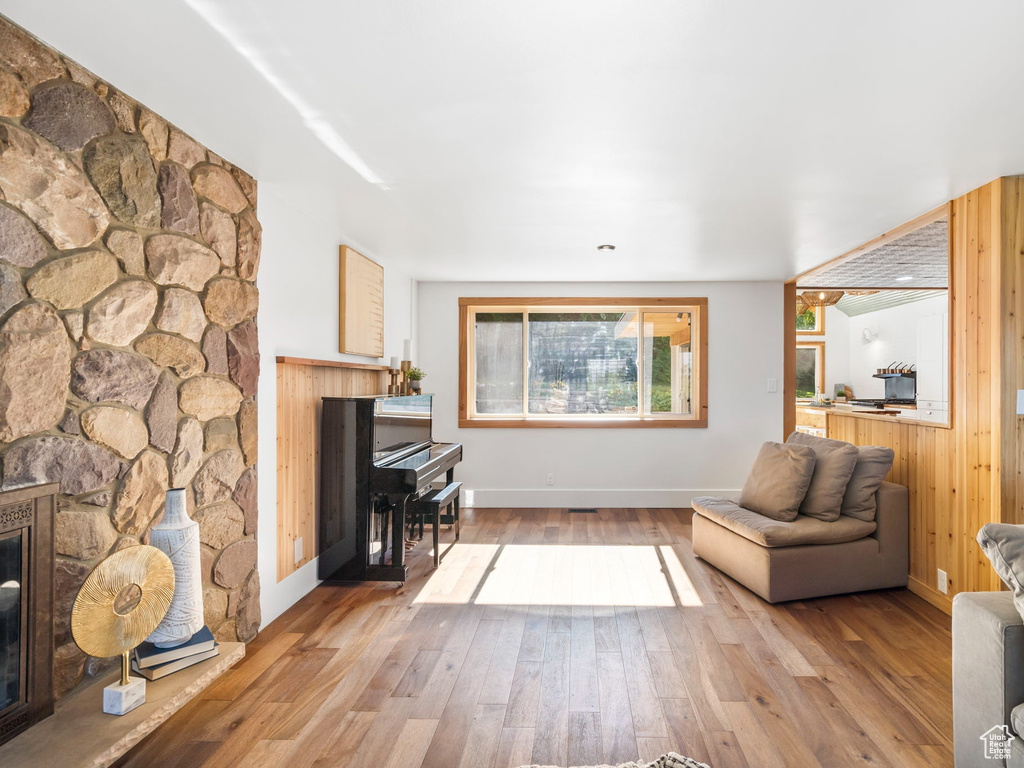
(119, 605)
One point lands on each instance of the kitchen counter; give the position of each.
(923, 417)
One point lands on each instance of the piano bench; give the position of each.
(428, 509)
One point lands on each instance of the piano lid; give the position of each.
(400, 424)
(411, 473)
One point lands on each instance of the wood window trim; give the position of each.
(819, 313)
(700, 306)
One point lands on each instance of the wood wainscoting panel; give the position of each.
(301, 384)
(924, 463)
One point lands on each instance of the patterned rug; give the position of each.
(671, 760)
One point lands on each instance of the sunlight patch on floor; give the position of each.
(527, 574)
(685, 591)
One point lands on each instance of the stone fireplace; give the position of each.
(128, 338)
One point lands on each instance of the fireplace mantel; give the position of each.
(79, 734)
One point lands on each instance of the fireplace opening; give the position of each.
(12, 619)
(26, 607)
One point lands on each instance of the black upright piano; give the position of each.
(377, 456)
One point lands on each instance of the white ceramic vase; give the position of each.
(177, 535)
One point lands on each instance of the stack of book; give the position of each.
(153, 663)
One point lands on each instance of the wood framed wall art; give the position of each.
(361, 306)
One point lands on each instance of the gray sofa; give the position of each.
(807, 557)
(988, 679)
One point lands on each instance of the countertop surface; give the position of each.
(924, 417)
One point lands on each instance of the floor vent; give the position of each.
(582, 510)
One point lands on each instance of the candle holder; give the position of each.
(406, 386)
(394, 388)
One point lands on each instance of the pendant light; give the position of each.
(820, 298)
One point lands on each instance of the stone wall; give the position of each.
(128, 341)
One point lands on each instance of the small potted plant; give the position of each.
(414, 375)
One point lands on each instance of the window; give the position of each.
(810, 369)
(583, 362)
(811, 321)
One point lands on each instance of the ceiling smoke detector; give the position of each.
(606, 247)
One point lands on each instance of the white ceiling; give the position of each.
(707, 140)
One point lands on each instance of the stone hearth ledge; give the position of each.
(80, 734)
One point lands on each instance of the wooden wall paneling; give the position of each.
(972, 473)
(1012, 351)
(294, 487)
(301, 385)
(977, 448)
(923, 455)
(978, 441)
(961, 346)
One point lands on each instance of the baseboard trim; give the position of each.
(931, 595)
(585, 497)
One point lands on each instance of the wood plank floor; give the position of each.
(568, 639)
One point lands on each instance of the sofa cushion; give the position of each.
(834, 461)
(778, 480)
(1003, 544)
(1017, 719)
(873, 464)
(775, 533)
(1016, 754)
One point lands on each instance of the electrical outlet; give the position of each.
(773, 385)
(298, 550)
(943, 581)
(551, 478)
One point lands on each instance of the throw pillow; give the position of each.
(1003, 544)
(834, 461)
(778, 481)
(873, 464)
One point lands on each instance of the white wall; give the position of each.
(309, 201)
(897, 341)
(299, 318)
(837, 348)
(618, 467)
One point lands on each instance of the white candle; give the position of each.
(407, 349)
(394, 363)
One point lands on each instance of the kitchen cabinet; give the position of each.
(933, 362)
(811, 421)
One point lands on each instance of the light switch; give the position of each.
(1020, 402)
(773, 386)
